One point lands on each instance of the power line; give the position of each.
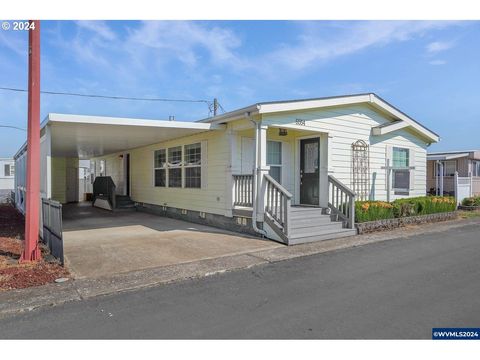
(111, 97)
(12, 127)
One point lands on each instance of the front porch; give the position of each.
(298, 201)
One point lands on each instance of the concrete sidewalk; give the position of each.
(54, 294)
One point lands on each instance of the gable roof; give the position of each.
(302, 104)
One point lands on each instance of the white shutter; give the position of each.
(286, 166)
(411, 162)
(330, 153)
(247, 155)
(204, 155)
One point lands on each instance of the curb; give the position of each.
(24, 300)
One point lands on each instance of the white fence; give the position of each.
(460, 187)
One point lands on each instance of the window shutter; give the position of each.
(411, 162)
(204, 164)
(330, 153)
(389, 156)
(286, 161)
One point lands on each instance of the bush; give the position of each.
(373, 210)
(471, 201)
(423, 205)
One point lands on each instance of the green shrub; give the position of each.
(373, 210)
(471, 201)
(423, 205)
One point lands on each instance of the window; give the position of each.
(92, 171)
(401, 173)
(9, 170)
(400, 157)
(475, 168)
(449, 168)
(160, 168)
(175, 167)
(178, 167)
(103, 170)
(192, 163)
(274, 159)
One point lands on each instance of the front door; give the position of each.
(309, 171)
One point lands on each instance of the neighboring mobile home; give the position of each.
(291, 166)
(442, 166)
(7, 171)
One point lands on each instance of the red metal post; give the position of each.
(31, 250)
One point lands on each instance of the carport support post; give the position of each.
(31, 250)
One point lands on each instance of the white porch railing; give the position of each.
(341, 201)
(243, 190)
(277, 203)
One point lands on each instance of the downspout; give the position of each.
(255, 177)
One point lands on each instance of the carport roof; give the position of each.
(90, 136)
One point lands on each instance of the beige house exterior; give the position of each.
(445, 164)
(264, 169)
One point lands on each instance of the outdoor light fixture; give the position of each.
(282, 132)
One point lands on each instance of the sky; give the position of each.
(428, 69)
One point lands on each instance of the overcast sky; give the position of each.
(430, 70)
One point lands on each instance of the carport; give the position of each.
(102, 243)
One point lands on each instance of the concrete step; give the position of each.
(327, 236)
(126, 205)
(318, 229)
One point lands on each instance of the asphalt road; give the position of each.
(395, 289)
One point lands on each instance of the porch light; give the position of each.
(282, 132)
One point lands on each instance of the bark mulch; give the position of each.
(14, 275)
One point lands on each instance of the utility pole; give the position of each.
(215, 107)
(31, 250)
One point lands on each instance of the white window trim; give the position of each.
(403, 191)
(476, 168)
(159, 168)
(281, 158)
(176, 166)
(185, 166)
(182, 166)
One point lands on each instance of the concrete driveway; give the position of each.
(101, 243)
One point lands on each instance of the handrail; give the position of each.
(277, 203)
(341, 201)
(280, 187)
(243, 190)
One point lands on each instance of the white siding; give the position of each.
(348, 124)
(210, 198)
(6, 180)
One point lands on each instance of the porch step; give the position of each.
(308, 224)
(320, 237)
(124, 202)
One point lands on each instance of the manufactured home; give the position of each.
(288, 170)
(7, 171)
(446, 171)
